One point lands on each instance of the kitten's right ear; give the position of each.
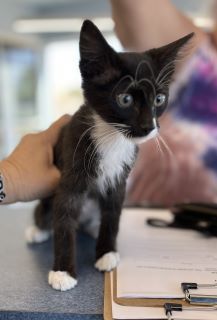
(97, 58)
(165, 57)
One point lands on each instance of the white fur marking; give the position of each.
(154, 123)
(108, 261)
(61, 280)
(115, 150)
(34, 235)
(151, 135)
(89, 218)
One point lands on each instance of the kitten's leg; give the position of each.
(63, 276)
(107, 258)
(41, 230)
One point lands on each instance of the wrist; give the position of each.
(9, 180)
(2, 193)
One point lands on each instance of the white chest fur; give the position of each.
(114, 150)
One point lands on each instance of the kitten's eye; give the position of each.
(125, 100)
(159, 99)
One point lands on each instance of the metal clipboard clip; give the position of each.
(176, 307)
(199, 299)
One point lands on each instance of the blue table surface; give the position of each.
(24, 290)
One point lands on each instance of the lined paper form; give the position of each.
(155, 261)
(128, 312)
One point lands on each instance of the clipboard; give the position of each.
(176, 291)
(198, 299)
(107, 297)
(169, 310)
(185, 298)
(141, 302)
(108, 305)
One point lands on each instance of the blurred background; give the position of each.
(39, 75)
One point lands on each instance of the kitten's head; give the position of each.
(130, 89)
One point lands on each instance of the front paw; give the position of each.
(61, 280)
(108, 261)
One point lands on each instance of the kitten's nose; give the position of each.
(147, 128)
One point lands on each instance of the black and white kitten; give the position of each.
(125, 93)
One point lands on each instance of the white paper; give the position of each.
(154, 261)
(127, 312)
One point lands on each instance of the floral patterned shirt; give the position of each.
(184, 167)
(196, 100)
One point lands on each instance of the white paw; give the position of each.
(61, 280)
(108, 261)
(34, 235)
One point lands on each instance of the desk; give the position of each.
(24, 290)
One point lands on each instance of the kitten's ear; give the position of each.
(98, 60)
(165, 57)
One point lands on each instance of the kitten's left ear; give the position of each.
(98, 60)
(166, 56)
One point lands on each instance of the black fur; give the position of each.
(102, 70)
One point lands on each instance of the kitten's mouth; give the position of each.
(153, 133)
(144, 132)
(140, 138)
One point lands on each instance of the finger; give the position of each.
(54, 130)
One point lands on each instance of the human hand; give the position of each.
(168, 177)
(28, 172)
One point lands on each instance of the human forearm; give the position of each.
(29, 172)
(144, 24)
(9, 176)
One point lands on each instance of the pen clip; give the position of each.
(199, 299)
(170, 307)
(176, 307)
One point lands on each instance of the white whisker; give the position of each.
(122, 79)
(115, 124)
(159, 147)
(164, 69)
(79, 141)
(102, 140)
(105, 134)
(172, 165)
(166, 147)
(149, 82)
(164, 84)
(170, 72)
(139, 65)
(129, 86)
